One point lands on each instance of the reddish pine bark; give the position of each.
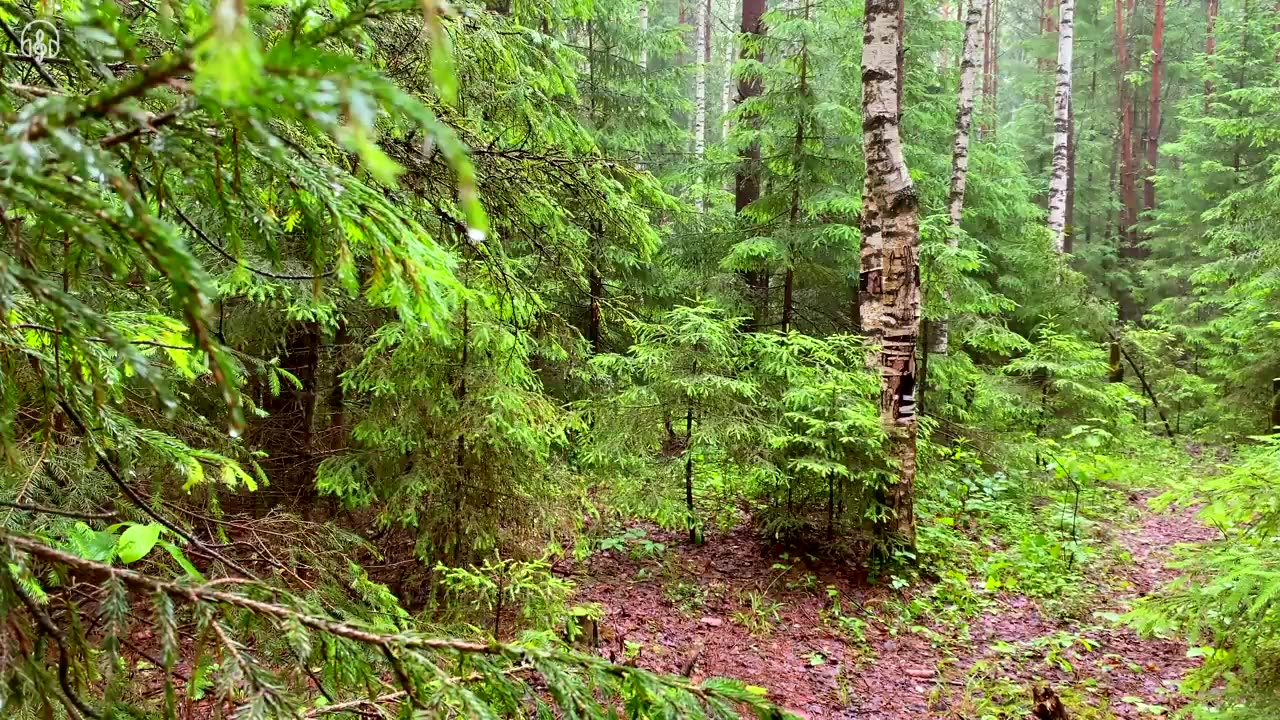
(1128, 194)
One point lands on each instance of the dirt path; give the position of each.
(769, 622)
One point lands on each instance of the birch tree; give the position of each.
(1061, 126)
(726, 90)
(960, 152)
(890, 272)
(644, 31)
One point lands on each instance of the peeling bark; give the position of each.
(1061, 125)
(890, 272)
(941, 340)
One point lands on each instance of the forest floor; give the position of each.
(951, 648)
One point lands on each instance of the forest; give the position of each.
(887, 359)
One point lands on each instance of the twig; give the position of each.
(108, 341)
(55, 511)
(231, 258)
(1145, 387)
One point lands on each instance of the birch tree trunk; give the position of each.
(1061, 126)
(890, 271)
(1153, 107)
(726, 90)
(644, 32)
(700, 97)
(941, 341)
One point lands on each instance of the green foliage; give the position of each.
(1225, 598)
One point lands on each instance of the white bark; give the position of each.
(700, 95)
(1061, 125)
(726, 90)
(890, 273)
(644, 31)
(964, 113)
(941, 340)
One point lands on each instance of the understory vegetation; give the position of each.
(367, 358)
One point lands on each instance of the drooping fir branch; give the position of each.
(571, 678)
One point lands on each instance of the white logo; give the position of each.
(40, 40)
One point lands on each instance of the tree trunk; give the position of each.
(596, 288)
(337, 400)
(1210, 48)
(890, 272)
(726, 91)
(941, 340)
(986, 58)
(797, 148)
(1128, 194)
(1061, 126)
(746, 186)
(700, 97)
(1153, 108)
(1069, 237)
(688, 470)
(644, 31)
(995, 63)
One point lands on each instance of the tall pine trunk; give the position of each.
(746, 185)
(701, 53)
(941, 340)
(1153, 108)
(1061, 125)
(1128, 194)
(890, 271)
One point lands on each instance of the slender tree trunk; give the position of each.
(688, 470)
(988, 103)
(1153, 108)
(1128, 194)
(746, 187)
(995, 63)
(644, 31)
(1210, 48)
(797, 148)
(890, 272)
(701, 57)
(1068, 239)
(1061, 126)
(941, 340)
(596, 289)
(726, 90)
(337, 399)
(464, 472)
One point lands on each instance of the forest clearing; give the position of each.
(888, 359)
